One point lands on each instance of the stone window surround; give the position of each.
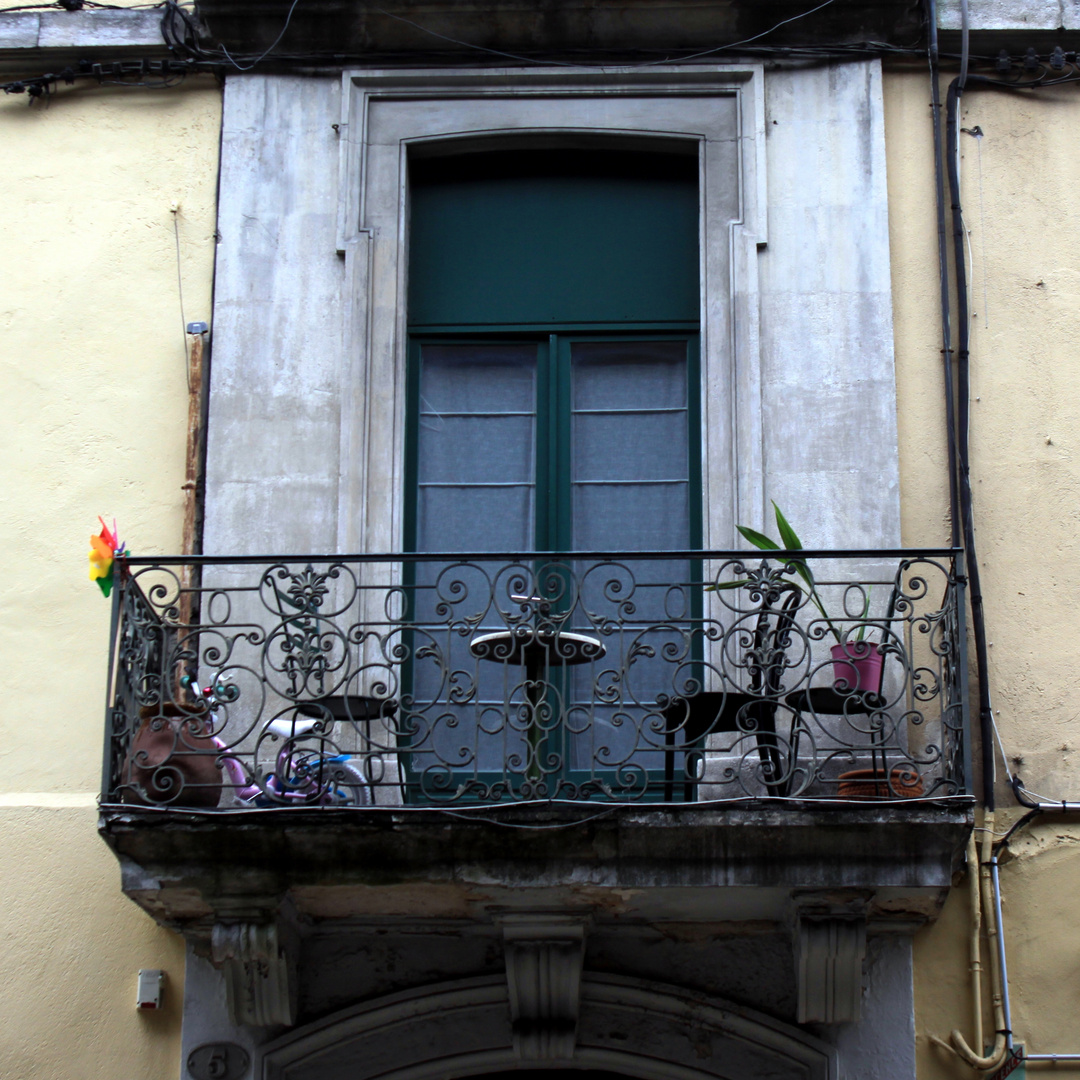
(386, 115)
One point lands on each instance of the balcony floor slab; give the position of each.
(621, 864)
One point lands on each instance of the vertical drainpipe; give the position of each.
(943, 277)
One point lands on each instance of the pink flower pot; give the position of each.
(857, 667)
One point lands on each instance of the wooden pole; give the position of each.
(190, 579)
(194, 444)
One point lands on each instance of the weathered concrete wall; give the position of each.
(1011, 14)
(828, 390)
(811, 370)
(1019, 195)
(277, 383)
(96, 404)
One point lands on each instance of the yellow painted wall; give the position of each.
(95, 410)
(73, 945)
(1020, 196)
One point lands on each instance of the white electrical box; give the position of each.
(151, 987)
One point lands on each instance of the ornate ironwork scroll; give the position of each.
(660, 677)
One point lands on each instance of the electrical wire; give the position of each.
(482, 813)
(747, 41)
(1000, 746)
(470, 45)
(263, 56)
(547, 827)
(180, 33)
(180, 293)
(866, 48)
(1020, 823)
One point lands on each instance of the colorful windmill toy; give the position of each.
(103, 550)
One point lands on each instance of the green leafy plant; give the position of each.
(791, 542)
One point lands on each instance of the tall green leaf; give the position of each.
(793, 543)
(787, 533)
(759, 540)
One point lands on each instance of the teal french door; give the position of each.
(557, 443)
(553, 406)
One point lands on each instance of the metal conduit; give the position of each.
(1002, 967)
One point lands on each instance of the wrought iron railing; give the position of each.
(443, 679)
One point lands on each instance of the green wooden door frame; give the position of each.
(553, 247)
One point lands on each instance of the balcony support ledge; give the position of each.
(662, 864)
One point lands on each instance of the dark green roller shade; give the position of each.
(543, 237)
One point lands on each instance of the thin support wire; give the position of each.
(180, 292)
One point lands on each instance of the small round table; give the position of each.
(536, 648)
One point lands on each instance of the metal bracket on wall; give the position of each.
(544, 957)
(257, 972)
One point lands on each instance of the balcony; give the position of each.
(462, 681)
(398, 736)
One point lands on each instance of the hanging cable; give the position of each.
(963, 381)
(269, 49)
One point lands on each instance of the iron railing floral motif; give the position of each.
(657, 677)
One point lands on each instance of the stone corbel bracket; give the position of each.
(544, 957)
(259, 978)
(830, 948)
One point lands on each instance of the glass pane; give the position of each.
(630, 490)
(476, 469)
(478, 378)
(629, 425)
(629, 374)
(476, 453)
(630, 446)
(476, 449)
(461, 518)
(631, 517)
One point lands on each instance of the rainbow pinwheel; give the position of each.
(103, 550)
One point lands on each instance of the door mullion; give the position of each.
(561, 428)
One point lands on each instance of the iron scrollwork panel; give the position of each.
(692, 676)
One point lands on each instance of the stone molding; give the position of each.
(258, 980)
(829, 955)
(544, 955)
(388, 114)
(80, 29)
(638, 1028)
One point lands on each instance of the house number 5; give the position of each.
(218, 1061)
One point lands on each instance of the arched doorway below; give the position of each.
(565, 1073)
(628, 1029)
